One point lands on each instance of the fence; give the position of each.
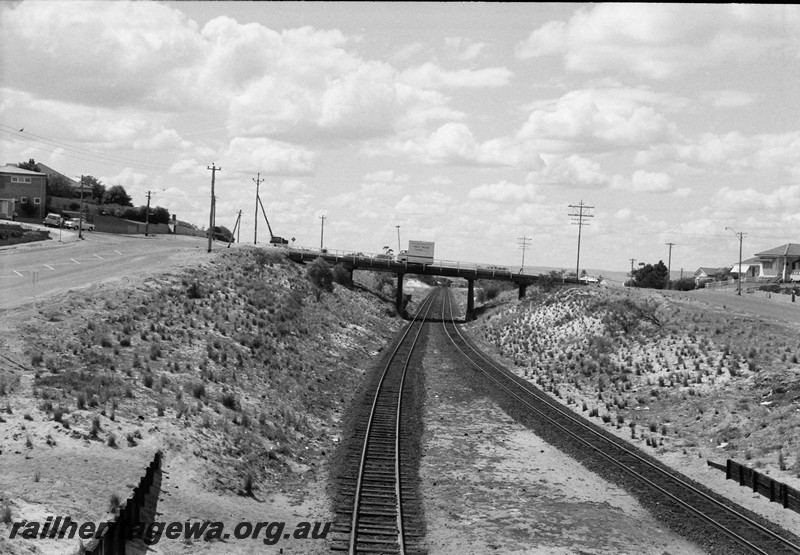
(112, 539)
(766, 486)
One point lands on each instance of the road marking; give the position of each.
(98, 256)
(16, 272)
(75, 261)
(119, 253)
(48, 266)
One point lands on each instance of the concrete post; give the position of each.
(470, 299)
(399, 293)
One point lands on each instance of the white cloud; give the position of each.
(386, 176)
(267, 157)
(778, 200)
(663, 40)
(464, 49)
(504, 192)
(431, 76)
(573, 170)
(727, 98)
(591, 119)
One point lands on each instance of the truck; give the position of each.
(419, 252)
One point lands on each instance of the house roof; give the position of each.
(12, 169)
(710, 271)
(789, 249)
(50, 172)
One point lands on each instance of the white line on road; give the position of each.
(16, 272)
(75, 261)
(98, 256)
(119, 253)
(49, 266)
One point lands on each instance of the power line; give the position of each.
(52, 145)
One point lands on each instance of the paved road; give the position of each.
(39, 270)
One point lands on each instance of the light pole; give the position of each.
(398, 239)
(739, 273)
(321, 231)
(80, 214)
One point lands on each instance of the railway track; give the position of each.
(741, 532)
(376, 518)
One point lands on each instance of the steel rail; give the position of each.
(426, 306)
(564, 413)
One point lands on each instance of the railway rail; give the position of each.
(722, 518)
(376, 519)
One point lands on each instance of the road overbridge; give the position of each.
(468, 271)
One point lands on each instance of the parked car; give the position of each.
(53, 220)
(794, 276)
(73, 223)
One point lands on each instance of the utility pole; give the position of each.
(632, 261)
(669, 264)
(214, 169)
(236, 228)
(80, 215)
(258, 182)
(321, 232)
(524, 243)
(398, 239)
(239, 230)
(739, 273)
(580, 215)
(147, 215)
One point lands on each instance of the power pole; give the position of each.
(321, 232)
(258, 182)
(236, 227)
(669, 264)
(580, 215)
(214, 169)
(524, 243)
(632, 261)
(147, 215)
(80, 215)
(239, 231)
(739, 273)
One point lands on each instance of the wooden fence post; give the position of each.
(728, 469)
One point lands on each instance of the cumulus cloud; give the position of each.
(504, 192)
(464, 49)
(643, 182)
(268, 157)
(454, 143)
(783, 198)
(663, 40)
(727, 98)
(573, 170)
(592, 119)
(429, 75)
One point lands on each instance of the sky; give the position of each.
(473, 125)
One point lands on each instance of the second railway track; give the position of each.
(741, 532)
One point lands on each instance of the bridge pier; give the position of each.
(470, 300)
(522, 288)
(398, 300)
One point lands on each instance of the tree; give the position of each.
(59, 186)
(117, 195)
(98, 189)
(320, 274)
(650, 276)
(29, 165)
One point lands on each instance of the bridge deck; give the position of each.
(384, 263)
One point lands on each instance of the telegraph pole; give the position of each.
(80, 215)
(258, 182)
(580, 215)
(632, 261)
(739, 273)
(669, 264)
(524, 243)
(147, 215)
(321, 232)
(214, 169)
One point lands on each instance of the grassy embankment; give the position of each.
(672, 374)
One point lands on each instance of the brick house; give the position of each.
(23, 194)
